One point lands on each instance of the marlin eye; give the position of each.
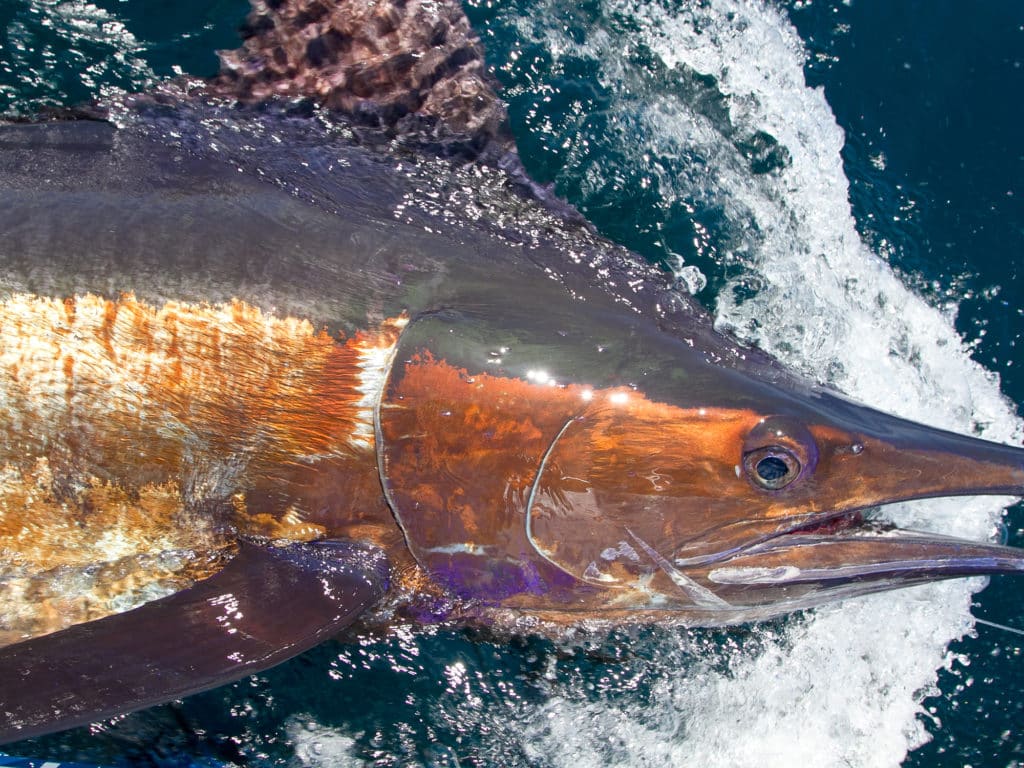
(772, 468)
(778, 451)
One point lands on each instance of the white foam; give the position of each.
(845, 686)
(318, 746)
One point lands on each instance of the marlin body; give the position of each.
(264, 367)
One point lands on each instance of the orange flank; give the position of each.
(213, 378)
(130, 432)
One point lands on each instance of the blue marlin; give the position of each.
(303, 345)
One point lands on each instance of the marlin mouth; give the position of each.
(842, 523)
(846, 521)
(852, 547)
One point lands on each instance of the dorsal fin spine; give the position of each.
(380, 61)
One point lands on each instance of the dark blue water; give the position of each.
(659, 154)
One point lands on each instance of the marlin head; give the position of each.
(754, 502)
(722, 492)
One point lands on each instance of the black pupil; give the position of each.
(772, 468)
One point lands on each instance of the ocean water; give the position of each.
(841, 180)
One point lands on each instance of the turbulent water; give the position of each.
(842, 178)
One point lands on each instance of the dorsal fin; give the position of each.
(380, 60)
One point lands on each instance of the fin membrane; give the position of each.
(379, 59)
(267, 605)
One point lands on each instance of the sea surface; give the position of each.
(841, 181)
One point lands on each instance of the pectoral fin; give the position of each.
(267, 605)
